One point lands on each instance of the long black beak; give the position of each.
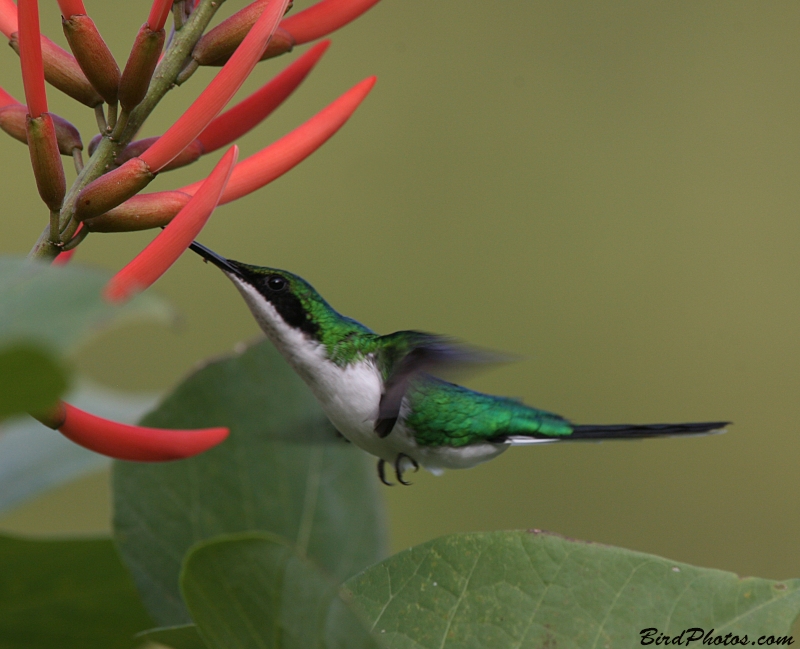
(214, 258)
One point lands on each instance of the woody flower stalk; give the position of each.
(105, 195)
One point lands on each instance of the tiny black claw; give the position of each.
(382, 473)
(398, 470)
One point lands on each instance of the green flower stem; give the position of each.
(179, 50)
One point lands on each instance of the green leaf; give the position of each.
(176, 637)
(253, 591)
(31, 379)
(282, 470)
(34, 458)
(60, 307)
(46, 311)
(532, 589)
(66, 594)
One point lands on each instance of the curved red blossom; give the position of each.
(280, 156)
(323, 18)
(164, 250)
(8, 18)
(218, 92)
(6, 99)
(158, 14)
(30, 54)
(145, 211)
(71, 8)
(248, 113)
(135, 443)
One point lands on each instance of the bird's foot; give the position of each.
(382, 473)
(398, 467)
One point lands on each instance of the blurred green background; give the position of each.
(608, 190)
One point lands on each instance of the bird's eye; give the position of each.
(276, 283)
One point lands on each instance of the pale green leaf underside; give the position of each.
(60, 307)
(520, 590)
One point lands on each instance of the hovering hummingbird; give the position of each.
(379, 393)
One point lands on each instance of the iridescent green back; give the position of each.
(443, 413)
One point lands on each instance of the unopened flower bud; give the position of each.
(113, 188)
(13, 122)
(216, 47)
(93, 55)
(141, 212)
(140, 66)
(62, 71)
(135, 149)
(45, 160)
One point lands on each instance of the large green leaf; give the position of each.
(176, 637)
(254, 592)
(530, 589)
(282, 470)
(67, 594)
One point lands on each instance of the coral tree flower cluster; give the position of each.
(106, 196)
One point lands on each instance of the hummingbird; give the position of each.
(380, 391)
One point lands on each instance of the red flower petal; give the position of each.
(218, 92)
(62, 258)
(30, 54)
(249, 112)
(276, 159)
(158, 14)
(71, 8)
(6, 99)
(164, 250)
(323, 18)
(8, 18)
(136, 443)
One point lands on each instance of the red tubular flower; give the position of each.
(170, 243)
(237, 121)
(30, 54)
(70, 8)
(63, 258)
(276, 159)
(8, 18)
(248, 113)
(132, 443)
(158, 14)
(218, 92)
(323, 18)
(6, 99)
(146, 211)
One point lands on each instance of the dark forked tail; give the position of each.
(592, 433)
(642, 431)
